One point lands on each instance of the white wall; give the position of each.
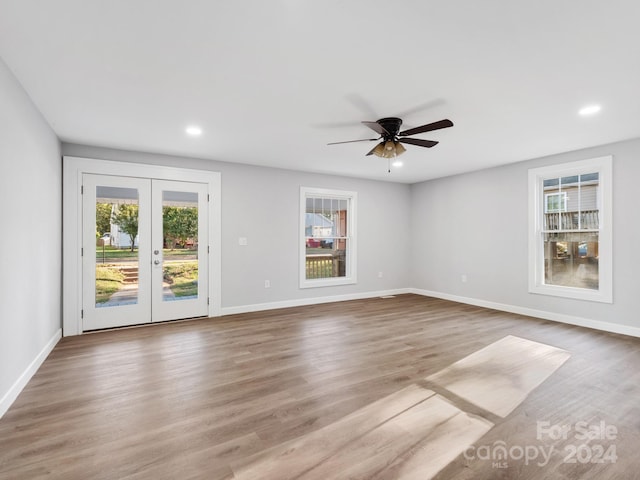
(475, 224)
(261, 204)
(30, 239)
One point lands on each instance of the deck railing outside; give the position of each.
(324, 265)
(585, 220)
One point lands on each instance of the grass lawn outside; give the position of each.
(108, 281)
(182, 277)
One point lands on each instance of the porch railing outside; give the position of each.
(585, 220)
(325, 265)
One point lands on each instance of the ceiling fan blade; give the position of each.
(361, 104)
(419, 108)
(376, 127)
(427, 128)
(353, 141)
(419, 142)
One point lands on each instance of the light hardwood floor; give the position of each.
(229, 397)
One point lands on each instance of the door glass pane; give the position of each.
(116, 246)
(180, 245)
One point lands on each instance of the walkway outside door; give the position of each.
(145, 248)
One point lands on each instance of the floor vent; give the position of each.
(388, 296)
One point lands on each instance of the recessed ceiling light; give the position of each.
(589, 110)
(193, 131)
(397, 163)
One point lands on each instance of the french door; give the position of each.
(144, 250)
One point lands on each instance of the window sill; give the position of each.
(572, 293)
(327, 282)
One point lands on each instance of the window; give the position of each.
(570, 235)
(555, 202)
(327, 237)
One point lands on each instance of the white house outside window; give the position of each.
(570, 245)
(327, 237)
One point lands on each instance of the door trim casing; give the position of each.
(73, 169)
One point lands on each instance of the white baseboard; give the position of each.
(531, 312)
(7, 400)
(310, 301)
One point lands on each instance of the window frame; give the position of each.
(350, 256)
(537, 207)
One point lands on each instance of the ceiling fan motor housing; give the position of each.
(391, 125)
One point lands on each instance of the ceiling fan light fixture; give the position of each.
(379, 150)
(389, 149)
(389, 152)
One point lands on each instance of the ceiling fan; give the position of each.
(392, 138)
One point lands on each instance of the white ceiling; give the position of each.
(271, 82)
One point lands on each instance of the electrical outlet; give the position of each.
(463, 277)
(267, 284)
(242, 241)
(379, 274)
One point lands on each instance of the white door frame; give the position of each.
(73, 168)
